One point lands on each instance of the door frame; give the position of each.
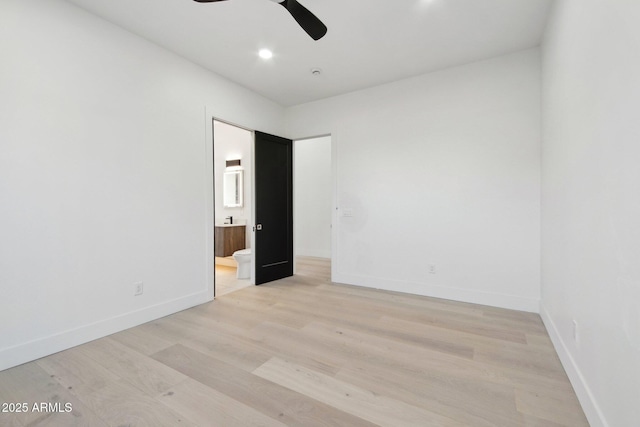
(210, 214)
(334, 198)
(210, 199)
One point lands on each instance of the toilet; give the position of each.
(243, 259)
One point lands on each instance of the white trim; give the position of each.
(209, 216)
(587, 400)
(312, 253)
(32, 350)
(293, 203)
(511, 302)
(334, 215)
(253, 217)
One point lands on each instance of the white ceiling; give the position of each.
(369, 42)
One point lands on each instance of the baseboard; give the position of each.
(585, 396)
(313, 253)
(32, 350)
(511, 302)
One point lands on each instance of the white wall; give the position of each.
(103, 177)
(313, 197)
(232, 143)
(591, 203)
(440, 169)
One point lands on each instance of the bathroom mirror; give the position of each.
(232, 190)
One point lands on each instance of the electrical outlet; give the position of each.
(432, 269)
(138, 288)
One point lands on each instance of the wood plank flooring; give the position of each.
(226, 280)
(306, 352)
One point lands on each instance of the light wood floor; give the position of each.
(227, 281)
(305, 352)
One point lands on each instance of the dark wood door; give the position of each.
(274, 207)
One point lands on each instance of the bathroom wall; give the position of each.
(103, 177)
(442, 169)
(313, 197)
(230, 143)
(591, 203)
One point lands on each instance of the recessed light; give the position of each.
(265, 54)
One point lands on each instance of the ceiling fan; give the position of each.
(307, 20)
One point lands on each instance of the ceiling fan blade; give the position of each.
(307, 20)
(207, 1)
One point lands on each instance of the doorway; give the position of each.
(252, 207)
(233, 154)
(313, 204)
(233, 206)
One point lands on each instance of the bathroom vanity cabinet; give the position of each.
(229, 238)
